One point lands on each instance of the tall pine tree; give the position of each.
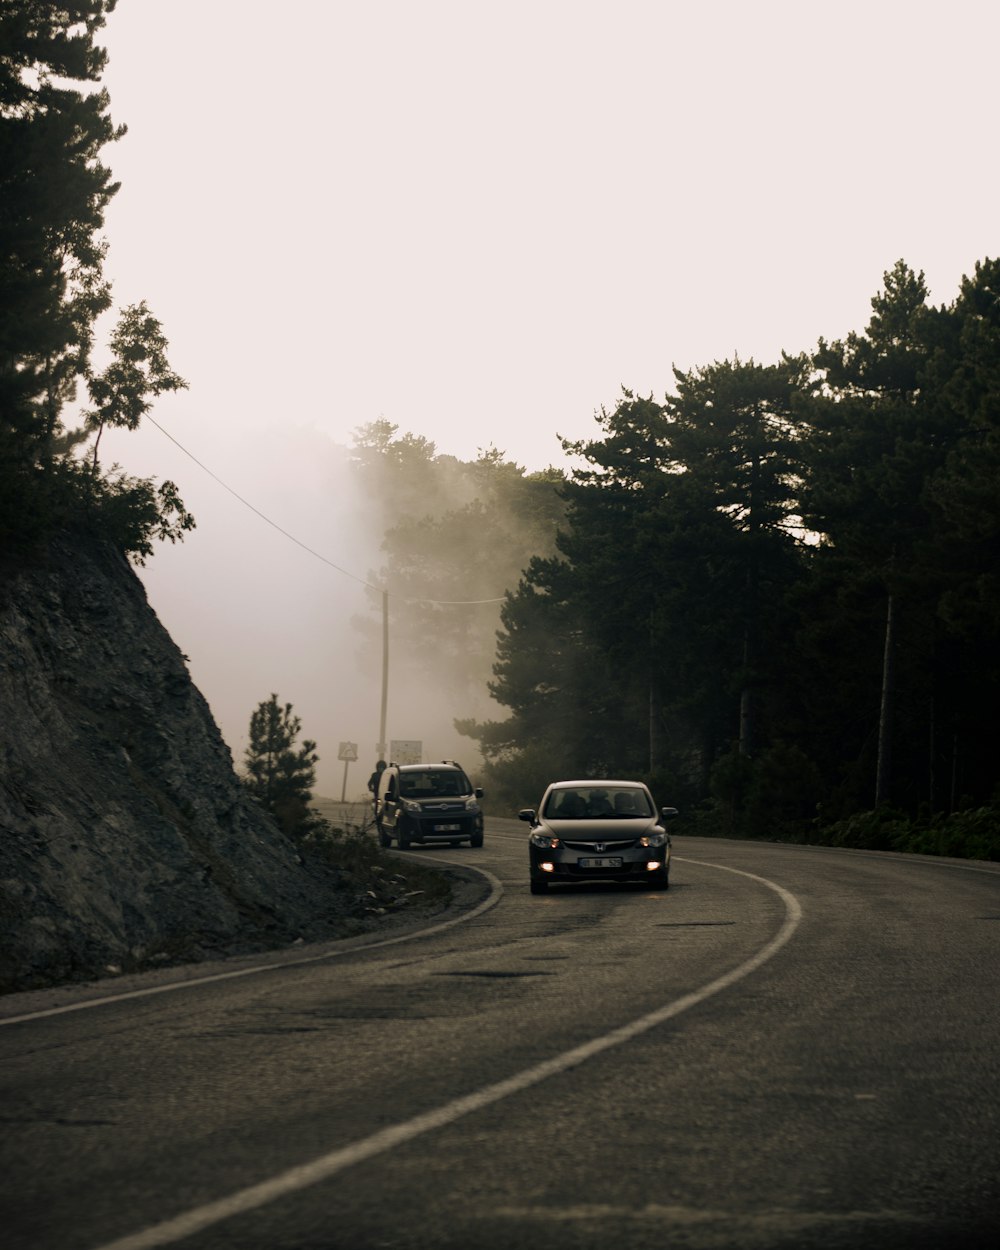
(54, 190)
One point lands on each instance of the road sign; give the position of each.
(348, 751)
(406, 751)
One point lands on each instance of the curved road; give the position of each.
(792, 1047)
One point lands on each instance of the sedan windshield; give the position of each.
(596, 803)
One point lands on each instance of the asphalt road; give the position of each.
(792, 1047)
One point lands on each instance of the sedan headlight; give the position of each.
(653, 839)
(544, 841)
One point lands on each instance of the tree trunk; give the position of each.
(655, 728)
(748, 727)
(884, 765)
(746, 721)
(655, 703)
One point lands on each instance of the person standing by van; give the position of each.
(373, 781)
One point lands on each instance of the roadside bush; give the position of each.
(973, 834)
(380, 882)
(880, 830)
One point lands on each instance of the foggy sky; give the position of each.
(479, 220)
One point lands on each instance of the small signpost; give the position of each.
(348, 752)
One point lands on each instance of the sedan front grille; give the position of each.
(609, 848)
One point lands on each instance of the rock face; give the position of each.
(125, 836)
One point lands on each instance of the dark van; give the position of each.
(422, 803)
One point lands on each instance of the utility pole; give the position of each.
(382, 747)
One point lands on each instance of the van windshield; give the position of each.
(434, 784)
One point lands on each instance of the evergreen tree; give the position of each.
(54, 190)
(878, 438)
(567, 717)
(622, 654)
(965, 369)
(681, 535)
(279, 775)
(402, 471)
(618, 520)
(799, 558)
(737, 437)
(964, 374)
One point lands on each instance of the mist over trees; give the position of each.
(457, 536)
(776, 592)
(773, 593)
(54, 189)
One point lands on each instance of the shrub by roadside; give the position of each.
(379, 882)
(972, 834)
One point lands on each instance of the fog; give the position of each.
(256, 613)
(479, 221)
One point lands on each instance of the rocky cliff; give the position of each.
(125, 836)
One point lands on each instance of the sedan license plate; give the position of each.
(447, 828)
(603, 861)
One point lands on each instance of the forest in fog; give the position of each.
(773, 592)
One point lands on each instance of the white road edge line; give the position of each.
(494, 896)
(199, 1218)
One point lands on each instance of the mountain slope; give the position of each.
(125, 836)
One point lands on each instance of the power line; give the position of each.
(246, 503)
(291, 537)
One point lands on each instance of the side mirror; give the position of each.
(479, 792)
(528, 814)
(668, 813)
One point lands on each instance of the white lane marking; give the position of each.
(494, 896)
(321, 1169)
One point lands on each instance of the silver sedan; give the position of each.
(598, 831)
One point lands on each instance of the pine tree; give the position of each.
(878, 437)
(737, 437)
(279, 775)
(54, 190)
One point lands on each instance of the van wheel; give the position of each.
(402, 839)
(476, 840)
(539, 887)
